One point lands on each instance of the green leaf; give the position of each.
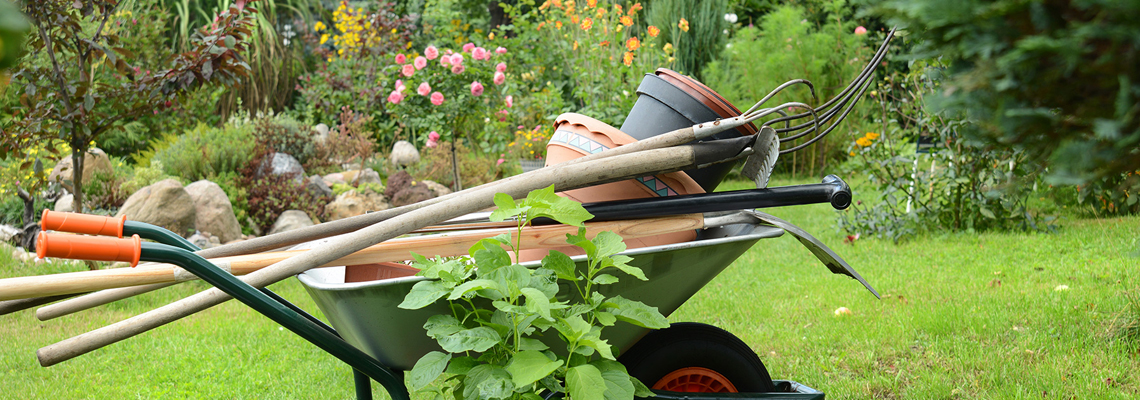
(478, 284)
(605, 318)
(88, 102)
(527, 367)
(507, 208)
(442, 325)
(585, 382)
(619, 385)
(487, 382)
(461, 365)
(572, 327)
(561, 264)
(537, 302)
(476, 339)
(621, 262)
(532, 344)
(545, 203)
(423, 294)
(597, 343)
(605, 279)
(229, 41)
(608, 244)
(639, 389)
(429, 367)
(489, 255)
(986, 212)
(637, 313)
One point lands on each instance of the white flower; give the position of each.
(841, 311)
(730, 17)
(1061, 288)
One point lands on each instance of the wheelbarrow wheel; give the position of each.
(694, 357)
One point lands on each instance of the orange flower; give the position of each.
(653, 31)
(617, 7)
(684, 25)
(587, 23)
(627, 59)
(575, 45)
(626, 20)
(558, 24)
(604, 43)
(591, 3)
(574, 20)
(540, 24)
(632, 44)
(634, 8)
(601, 12)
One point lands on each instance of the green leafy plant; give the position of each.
(202, 152)
(499, 306)
(957, 186)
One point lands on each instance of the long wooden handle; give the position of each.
(393, 250)
(594, 172)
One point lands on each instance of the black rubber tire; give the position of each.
(690, 344)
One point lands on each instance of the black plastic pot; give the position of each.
(668, 101)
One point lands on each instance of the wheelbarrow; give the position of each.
(374, 337)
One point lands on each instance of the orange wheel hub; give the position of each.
(695, 380)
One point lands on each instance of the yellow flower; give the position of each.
(852, 154)
(872, 135)
(626, 20)
(591, 3)
(627, 58)
(587, 23)
(324, 38)
(863, 142)
(668, 49)
(575, 45)
(319, 26)
(684, 25)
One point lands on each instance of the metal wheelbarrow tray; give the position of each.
(366, 315)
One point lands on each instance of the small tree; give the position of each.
(88, 85)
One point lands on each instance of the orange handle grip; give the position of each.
(89, 247)
(83, 223)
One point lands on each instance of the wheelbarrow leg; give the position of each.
(363, 385)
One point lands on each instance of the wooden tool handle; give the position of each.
(95, 248)
(83, 223)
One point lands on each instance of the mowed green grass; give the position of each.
(962, 316)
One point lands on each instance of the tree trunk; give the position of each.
(29, 205)
(498, 15)
(77, 177)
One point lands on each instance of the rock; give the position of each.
(436, 188)
(333, 178)
(199, 239)
(165, 203)
(414, 193)
(353, 202)
(318, 187)
(282, 164)
(22, 255)
(66, 203)
(369, 175)
(290, 220)
(321, 133)
(94, 161)
(253, 226)
(404, 154)
(397, 182)
(213, 211)
(7, 232)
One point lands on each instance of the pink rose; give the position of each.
(860, 30)
(431, 144)
(511, 103)
(433, 136)
(420, 62)
(467, 47)
(501, 67)
(395, 97)
(399, 85)
(476, 88)
(445, 61)
(400, 59)
(500, 162)
(431, 52)
(501, 50)
(424, 89)
(480, 53)
(437, 98)
(456, 59)
(458, 69)
(499, 78)
(409, 70)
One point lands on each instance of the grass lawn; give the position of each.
(962, 316)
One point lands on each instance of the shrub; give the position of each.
(957, 186)
(1056, 79)
(144, 176)
(266, 196)
(202, 152)
(348, 142)
(104, 191)
(284, 134)
(475, 168)
(786, 46)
